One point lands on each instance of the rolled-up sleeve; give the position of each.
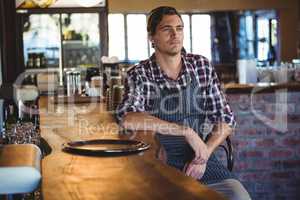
(133, 98)
(217, 107)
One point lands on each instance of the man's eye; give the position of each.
(167, 29)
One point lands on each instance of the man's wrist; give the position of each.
(210, 149)
(185, 131)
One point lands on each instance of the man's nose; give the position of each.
(174, 32)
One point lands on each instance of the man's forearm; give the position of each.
(220, 132)
(144, 121)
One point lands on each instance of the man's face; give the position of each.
(168, 38)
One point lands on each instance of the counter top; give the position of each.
(138, 176)
(233, 88)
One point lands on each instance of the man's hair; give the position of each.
(155, 16)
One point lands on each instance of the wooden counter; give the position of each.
(233, 88)
(140, 177)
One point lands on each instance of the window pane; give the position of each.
(201, 35)
(274, 25)
(263, 38)
(187, 32)
(116, 36)
(250, 36)
(81, 40)
(137, 37)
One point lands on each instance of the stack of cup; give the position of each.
(117, 95)
(73, 82)
(114, 81)
(96, 86)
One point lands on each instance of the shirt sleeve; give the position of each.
(133, 98)
(217, 107)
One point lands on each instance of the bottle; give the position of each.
(38, 60)
(10, 121)
(30, 63)
(43, 60)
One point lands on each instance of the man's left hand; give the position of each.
(195, 170)
(197, 167)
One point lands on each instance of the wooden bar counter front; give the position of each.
(134, 177)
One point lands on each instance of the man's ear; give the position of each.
(150, 38)
(151, 41)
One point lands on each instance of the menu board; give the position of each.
(27, 4)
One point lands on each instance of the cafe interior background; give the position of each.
(66, 49)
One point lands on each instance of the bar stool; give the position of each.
(19, 169)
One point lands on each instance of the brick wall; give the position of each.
(267, 143)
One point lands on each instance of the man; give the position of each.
(173, 94)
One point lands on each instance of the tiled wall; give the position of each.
(267, 144)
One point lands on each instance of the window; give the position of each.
(266, 34)
(246, 36)
(250, 36)
(187, 32)
(77, 34)
(257, 36)
(137, 37)
(273, 33)
(116, 36)
(128, 38)
(201, 35)
(41, 35)
(263, 39)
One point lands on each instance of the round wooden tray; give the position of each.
(105, 147)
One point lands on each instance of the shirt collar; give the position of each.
(164, 81)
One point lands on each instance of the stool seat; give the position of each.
(19, 168)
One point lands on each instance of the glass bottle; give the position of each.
(10, 121)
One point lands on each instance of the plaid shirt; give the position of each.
(143, 78)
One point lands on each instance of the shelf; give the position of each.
(43, 70)
(236, 88)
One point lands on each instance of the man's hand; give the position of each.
(201, 151)
(197, 166)
(194, 170)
